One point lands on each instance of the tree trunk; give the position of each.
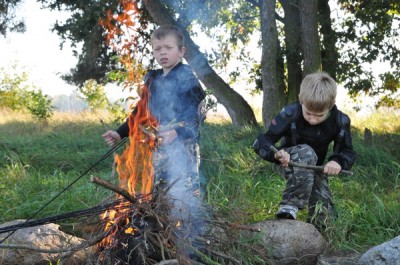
(272, 95)
(238, 109)
(293, 47)
(310, 37)
(329, 51)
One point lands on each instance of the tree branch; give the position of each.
(112, 187)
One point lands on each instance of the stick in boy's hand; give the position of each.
(319, 168)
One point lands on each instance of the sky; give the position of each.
(37, 51)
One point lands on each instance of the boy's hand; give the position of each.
(111, 137)
(167, 137)
(332, 168)
(283, 157)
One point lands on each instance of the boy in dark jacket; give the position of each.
(306, 129)
(175, 96)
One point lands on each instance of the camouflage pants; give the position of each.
(306, 187)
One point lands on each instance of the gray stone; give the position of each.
(290, 242)
(387, 253)
(47, 237)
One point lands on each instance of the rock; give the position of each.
(47, 237)
(290, 242)
(387, 253)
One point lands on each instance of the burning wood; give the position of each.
(114, 188)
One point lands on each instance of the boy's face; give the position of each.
(313, 117)
(167, 53)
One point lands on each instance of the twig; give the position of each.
(172, 126)
(161, 246)
(203, 240)
(222, 255)
(204, 257)
(65, 216)
(148, 133)
(318, 168)
(112, 187)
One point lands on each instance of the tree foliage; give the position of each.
(8, 20)
(370, 33)
(17, 94)
(94, 95)
(364, 32)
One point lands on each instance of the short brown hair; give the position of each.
(318, 92)
(162, 31)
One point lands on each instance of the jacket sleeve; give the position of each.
(123, 129)
(345, 155)
(278, 128)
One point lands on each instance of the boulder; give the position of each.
(47, 237)
(290, 242)
(387, 253)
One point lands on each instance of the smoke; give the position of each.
(187, 10)
(175, 99)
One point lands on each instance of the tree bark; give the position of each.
(293, 46)
(238, 109)
(310, 37)
(329, 51)
(272, 95)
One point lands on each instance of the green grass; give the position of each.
(39, 160)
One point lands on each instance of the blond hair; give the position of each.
(318, 92)
(163, 31)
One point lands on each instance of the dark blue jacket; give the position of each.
(174, 98)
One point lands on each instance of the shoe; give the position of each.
(287, 212)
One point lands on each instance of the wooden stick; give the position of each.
(318, 168)
(112, 187)
(203, 240)
(222, 255)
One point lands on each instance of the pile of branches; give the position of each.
(144, 233)
(156, 239)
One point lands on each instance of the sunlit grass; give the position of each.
(39, 160)
(380, 121)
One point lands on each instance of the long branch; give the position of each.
(110, 186)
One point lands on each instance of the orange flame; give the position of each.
(134, 165)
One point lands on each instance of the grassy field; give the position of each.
(39, 160)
